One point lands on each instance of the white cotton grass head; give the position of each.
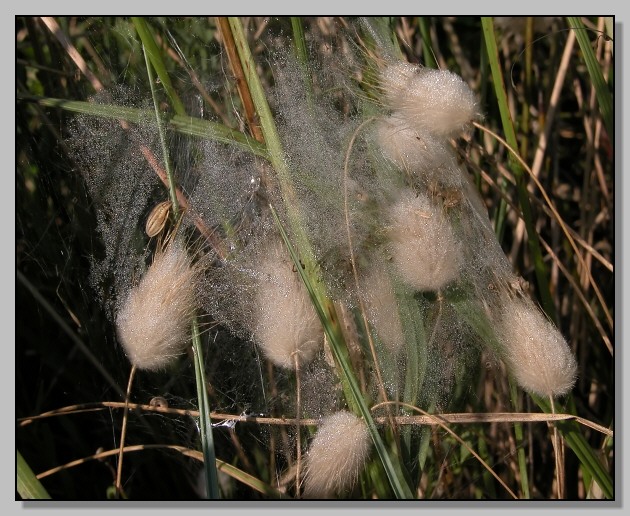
(411, 149)
(336, 456)
(287, 326)
(437, 101)
(422, 244)
(535, 352)
(153, 323)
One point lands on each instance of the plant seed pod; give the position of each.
(153, 323)
(423, 247)
(287, 325)
(337, 455)
(534, 350)
(157, 218)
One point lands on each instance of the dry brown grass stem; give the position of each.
(239, 76)
(583, 243)
(123, 433)
(429, 419)
(558, 218)
(72, 52)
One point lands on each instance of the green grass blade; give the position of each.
(274, 146)
(182, 124)
(427, 49)
(391, 464)
(251, 481)
(28, 485)
(323, 306)
(520, 445)
(205, 425)
(167, 161)
(302, 55)
(510, 136)
(156, 60)
(604, 97)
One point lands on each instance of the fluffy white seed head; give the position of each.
(382, 308)
(153, 323)
(438, 101)
(423, 247)
(411, 149)
(534, 350)
(287, 325)
(337, 455)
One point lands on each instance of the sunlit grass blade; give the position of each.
(28, 486)
(604, 97)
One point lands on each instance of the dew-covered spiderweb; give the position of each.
(400, 237)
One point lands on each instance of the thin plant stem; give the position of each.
(123, 432)
(298, 445)
(167, 162)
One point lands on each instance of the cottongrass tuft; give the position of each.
(337, 455)
(534, 350)
(153, 323)
(437, 101)
(423, 247)
(287, 326)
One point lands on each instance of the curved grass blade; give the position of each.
(155, 57)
